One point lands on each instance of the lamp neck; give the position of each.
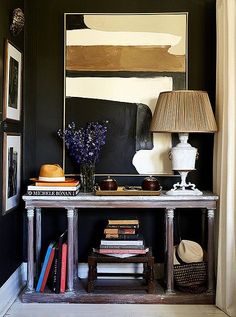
(183, 137)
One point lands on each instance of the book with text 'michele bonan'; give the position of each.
(53, 192)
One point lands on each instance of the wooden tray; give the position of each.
(121, 191)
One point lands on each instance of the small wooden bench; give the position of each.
(148, 268)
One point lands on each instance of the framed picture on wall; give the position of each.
(12, 83)
(11, 170)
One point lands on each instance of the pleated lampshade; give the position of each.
(183, 111)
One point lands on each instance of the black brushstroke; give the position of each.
(117, 153)
(179, 79)
(75, 21)
(144, 139)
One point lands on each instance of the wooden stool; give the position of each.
(148, 267)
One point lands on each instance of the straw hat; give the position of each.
(51, 173)
(188, 252)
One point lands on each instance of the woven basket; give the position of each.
(191, 277)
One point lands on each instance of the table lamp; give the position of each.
(182, 112)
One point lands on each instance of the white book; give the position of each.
(122, 242)
(122, 256)
(50, 188)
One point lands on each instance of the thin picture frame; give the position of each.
(12, 90)
(11, 171)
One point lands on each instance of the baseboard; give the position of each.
(11, 288)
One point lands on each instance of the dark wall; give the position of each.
(44, 87)
(10, 224)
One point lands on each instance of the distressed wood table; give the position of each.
(33, 204)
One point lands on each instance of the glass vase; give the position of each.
(87, 177)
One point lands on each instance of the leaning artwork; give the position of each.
(115, 67)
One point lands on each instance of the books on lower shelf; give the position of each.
(47, 263)
(122, 241)
(57, 267)
(54, 267)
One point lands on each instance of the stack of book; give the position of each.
(122, 239)
(70, 187)
(54, 266)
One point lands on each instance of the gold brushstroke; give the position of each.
(123, 58)
(175, 24)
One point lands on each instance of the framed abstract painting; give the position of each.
(115, 66)
(12, 83)
(11, 171)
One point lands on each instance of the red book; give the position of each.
(48, 267)
(63, 267)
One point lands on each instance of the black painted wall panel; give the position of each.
(44, 99)
(10, 224)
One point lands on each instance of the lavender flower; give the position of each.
(84, 144)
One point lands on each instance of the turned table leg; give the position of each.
(210, 249)
(76, 243)
(169, 247)
(38, 240)
(30, 265)
(203, 231)
(70, 271)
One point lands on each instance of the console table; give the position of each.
(72, 205)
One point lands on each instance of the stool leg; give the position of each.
(92, 274)
(151, 281)
(145, 272)
(90, 279)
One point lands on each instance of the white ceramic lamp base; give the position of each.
(183, 188)
(183, 157)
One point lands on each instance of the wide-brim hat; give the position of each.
(51, 173)
(188, 252)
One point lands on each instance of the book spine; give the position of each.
(122, 236)
(119, 231)
(118, 246)
(45, 278)
(123, 221)
(122, 251)
(45, 262)
(48, 184)
(121, 242)
(54, 271)
(122, 226)
(63, 268)
(50, 188)
(61, 240)
(52, 193)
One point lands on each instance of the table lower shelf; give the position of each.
(114, 291)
